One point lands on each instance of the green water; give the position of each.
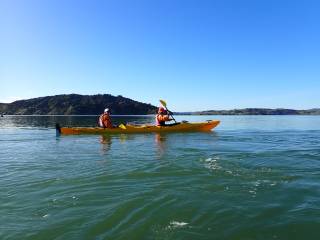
(254, 177)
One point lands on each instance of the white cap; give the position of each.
(106, 110)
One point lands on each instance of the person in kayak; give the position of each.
(162, 117)
(105, 119)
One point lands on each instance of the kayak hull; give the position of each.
(181, 127)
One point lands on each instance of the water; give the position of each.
(254, 177)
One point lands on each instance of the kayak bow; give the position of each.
(180, 127)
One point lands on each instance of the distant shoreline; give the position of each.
(255, 111)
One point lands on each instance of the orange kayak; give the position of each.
(180, 127)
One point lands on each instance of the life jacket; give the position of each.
(161, 119)
(105, 121)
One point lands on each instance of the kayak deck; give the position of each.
(181, 127)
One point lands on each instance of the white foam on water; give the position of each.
(75, 198)
(176, 224)
(212, 163)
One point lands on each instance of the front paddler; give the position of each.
(105, 119)
(162, 117)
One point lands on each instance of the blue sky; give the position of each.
(197, 55)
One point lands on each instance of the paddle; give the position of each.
(163, 103)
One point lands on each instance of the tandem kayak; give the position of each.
(179, 127)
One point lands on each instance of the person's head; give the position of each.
(161, 110)
(107, 110)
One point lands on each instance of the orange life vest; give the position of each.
(105, 121)
(161, 119)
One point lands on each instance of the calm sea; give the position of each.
(253, 177)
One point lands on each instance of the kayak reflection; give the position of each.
(107, 140)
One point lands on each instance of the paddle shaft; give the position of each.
(170, 114)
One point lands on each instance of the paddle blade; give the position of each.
(122, 126)
(163, 103)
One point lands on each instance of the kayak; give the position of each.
(179, 127)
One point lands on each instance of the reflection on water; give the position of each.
(160, 140)
(106, 142)
(124, 137)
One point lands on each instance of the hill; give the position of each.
(75, 104)
(259, 111)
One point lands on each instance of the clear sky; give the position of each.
(195, 54)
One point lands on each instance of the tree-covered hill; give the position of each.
(76, 104)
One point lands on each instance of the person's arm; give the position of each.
(164, 118)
